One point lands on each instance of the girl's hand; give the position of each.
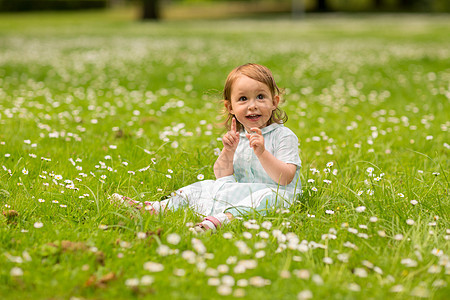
(256, 141)
(231, 139)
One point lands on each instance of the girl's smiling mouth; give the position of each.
(253, 117)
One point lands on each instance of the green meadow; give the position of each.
(96, 103)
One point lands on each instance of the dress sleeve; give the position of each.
(286, 149)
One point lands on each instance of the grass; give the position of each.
(89, 94)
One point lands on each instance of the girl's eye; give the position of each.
(260, 96)
(243, 98)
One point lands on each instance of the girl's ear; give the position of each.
(276, 101)
(228, 107)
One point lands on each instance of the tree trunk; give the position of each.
(322, 6)
(378, 4)
(150, 10)
(406, 4)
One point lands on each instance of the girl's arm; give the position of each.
(280, 172)
(224, 163)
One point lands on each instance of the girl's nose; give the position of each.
(252, 104)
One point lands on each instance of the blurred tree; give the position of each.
(298, 9)
(150, 10)
(415, 5)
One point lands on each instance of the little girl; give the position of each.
(258, 168)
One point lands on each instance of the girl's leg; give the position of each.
(213, 222)
(270, 202)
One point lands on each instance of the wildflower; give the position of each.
(224, 290)
(242, 282)
(198, 246)
(367, 264)
(410, 222)
(260, 254)
(304, 295)
(238, 293)
(398, 237)
(439, 283)
(179, 272)
(247, 235)
(141, 235)
(434, 269)
(38, 225)
(378, 270)
(227, 235)
(437, 252)
(223, 268)
(343, 257)
(311, 180)
(257, 281)
(228, 280)
(317, 279)
(153, 267)
(400, 195)
(329, 211)
(132, 282)
(25, 171)
(328, 260)
(408, 262)
(173, 238)
(16, 272)
(147, 280)
(363, 235)
(302, 274)
(352, 230)
(354, 287)
(314, 189)
(420, 292)
(163, 250)
(360, 272)
(373, 219)
(360, 209)
(266, 225)
(397, 288)
(200, 177)
(330, 164)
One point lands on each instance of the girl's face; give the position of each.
(251, 102)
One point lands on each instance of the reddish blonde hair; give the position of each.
(259, 73)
